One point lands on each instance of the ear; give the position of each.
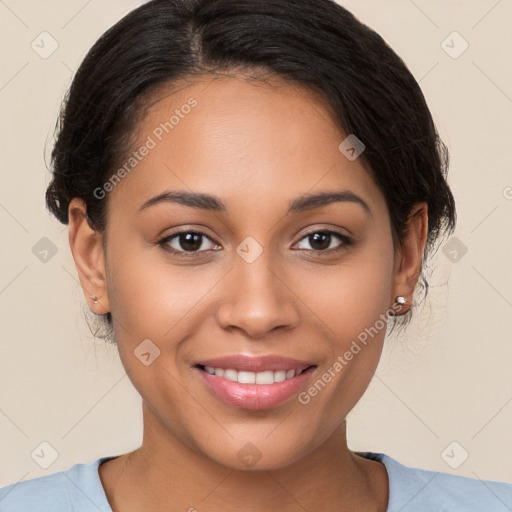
(86, 247)
(410, 255)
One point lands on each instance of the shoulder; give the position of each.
(414, 489)
(77, 488)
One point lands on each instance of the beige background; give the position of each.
(447, 380)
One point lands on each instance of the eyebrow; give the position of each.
(211, 203)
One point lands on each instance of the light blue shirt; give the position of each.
(79, 489)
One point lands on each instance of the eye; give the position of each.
(321, 241)
(184, 242)
(190, 243)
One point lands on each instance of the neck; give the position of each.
(166, 472)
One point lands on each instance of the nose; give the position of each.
(257, 299)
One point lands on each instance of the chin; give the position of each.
(257, 454)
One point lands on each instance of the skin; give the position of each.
(273, 143)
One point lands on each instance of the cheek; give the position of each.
(353, 305)
(356, 294)
(149, 297)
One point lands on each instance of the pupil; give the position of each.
(190, 241)
(322, 239)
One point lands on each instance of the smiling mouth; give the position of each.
(254, 383)
(245, 377)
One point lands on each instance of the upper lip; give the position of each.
(255, 364)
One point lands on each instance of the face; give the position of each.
(255, 283)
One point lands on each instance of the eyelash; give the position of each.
(346, 242)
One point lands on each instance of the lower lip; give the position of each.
(254, 396)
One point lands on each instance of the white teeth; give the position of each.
(231, 375)
(266, 377)
(246, 377)
(281, 375)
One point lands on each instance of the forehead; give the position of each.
(247, 141)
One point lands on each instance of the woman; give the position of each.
(251, 188)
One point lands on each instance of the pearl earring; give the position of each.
(401, 300)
